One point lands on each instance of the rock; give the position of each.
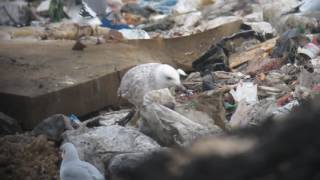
(15, 13)
(98, 145)
(8, 125)
(53, 127)
(168, 127)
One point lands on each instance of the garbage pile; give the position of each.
(241, 81)
(135, 19)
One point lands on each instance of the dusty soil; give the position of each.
(28, 158)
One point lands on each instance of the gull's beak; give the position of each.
(182, 88)
(181, 72)
(61, 154)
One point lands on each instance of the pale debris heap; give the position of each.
(144, 78)
(72, 168)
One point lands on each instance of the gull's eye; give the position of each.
(169, 78)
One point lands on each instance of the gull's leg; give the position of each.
(78, 46)
(97, 35)
(123, 121)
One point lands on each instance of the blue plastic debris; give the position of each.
(75, 121)
(74, 118)
(109, 24)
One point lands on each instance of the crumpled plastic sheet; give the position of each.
(134, 34)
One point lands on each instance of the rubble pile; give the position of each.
(144, 19)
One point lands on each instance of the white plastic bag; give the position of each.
(246, 91)
(134, 34)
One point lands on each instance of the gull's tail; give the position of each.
(83, 14)
(292, 11)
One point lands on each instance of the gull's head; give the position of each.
(167, 76)
(69, 152)
(115, 5)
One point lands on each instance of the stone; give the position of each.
(98, 145)
(53, 127)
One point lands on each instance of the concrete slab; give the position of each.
(38, 79)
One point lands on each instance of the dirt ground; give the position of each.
(28, 158)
